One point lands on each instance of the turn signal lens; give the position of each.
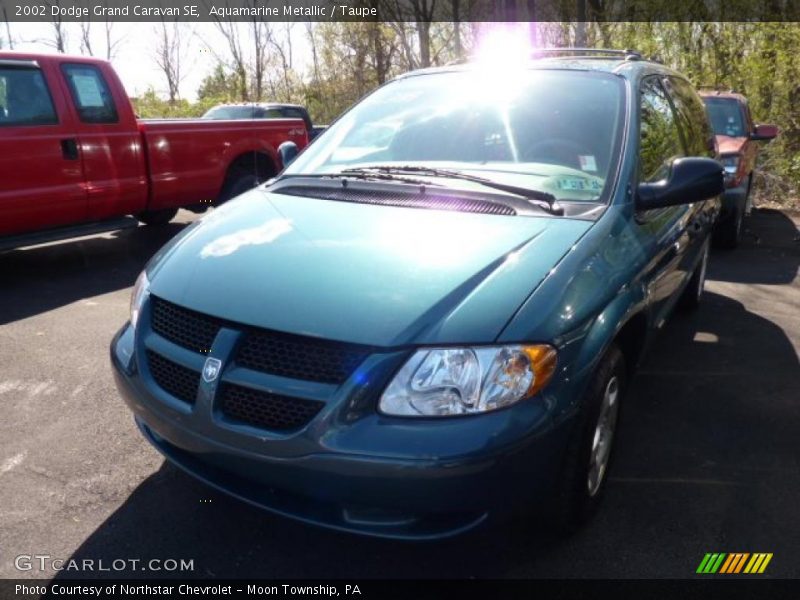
(543, 361)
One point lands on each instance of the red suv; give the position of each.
(736, 136)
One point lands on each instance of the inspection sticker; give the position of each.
(587, 162)
(576, 183)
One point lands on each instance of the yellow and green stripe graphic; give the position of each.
(734, 562)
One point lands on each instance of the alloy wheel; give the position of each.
(603, 436)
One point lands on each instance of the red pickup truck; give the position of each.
(74, 158)
(737, 136)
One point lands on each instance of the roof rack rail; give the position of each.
(718, 88)
(589, 52)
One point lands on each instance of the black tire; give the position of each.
(692, 294)
(576, 498)
(238, 182)
(728, 233)
(157, 217)
(748, 207)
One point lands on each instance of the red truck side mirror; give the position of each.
(764, 132)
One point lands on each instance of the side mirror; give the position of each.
(764, 132)
(690, 180)
(287, 152)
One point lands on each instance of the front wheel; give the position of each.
(728, 233)
(693, 292)
(748, 198)
(589, 452)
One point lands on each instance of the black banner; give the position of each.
(406, 590)
(399, 10)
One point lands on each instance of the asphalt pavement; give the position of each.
(708, 455)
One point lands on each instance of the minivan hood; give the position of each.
(377, 275)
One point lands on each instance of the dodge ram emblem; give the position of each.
(211, 369)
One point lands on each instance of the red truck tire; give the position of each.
(157, 217)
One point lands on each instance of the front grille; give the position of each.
(276, 353)
(300, 357)
(187, 328)
(173, 378)
(266, 410)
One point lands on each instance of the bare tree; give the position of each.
(59, 39)
(9, 38)
(314, 51)
(284, 52)
(169, 55)
(235, 59)
(262, 37)
(421, 12)
(86, 38)
(112, 45)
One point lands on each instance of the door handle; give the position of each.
(69, 149)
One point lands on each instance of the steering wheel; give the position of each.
(556, 151)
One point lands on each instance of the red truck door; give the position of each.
(109, 139)
(41, 176)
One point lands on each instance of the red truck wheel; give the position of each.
(239, 184)
(157, 217)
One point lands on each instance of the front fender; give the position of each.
(631, 302)
(585, 301)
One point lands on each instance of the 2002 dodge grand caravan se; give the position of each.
(431, 315)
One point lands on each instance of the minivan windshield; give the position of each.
(555, 131)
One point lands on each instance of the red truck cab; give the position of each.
(737, 137)
(74, 157)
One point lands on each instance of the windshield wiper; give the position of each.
(544, 200)
(370, 174)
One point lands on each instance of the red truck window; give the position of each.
(91, 94)
(726, 116)
(24, 98)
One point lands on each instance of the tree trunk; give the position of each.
(8, 29)
(458, 48)
(424, 36)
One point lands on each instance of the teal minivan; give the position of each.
(430, 317)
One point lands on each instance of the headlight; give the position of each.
(731, 164)
(140, 291)
(459, 381)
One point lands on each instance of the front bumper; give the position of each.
(374, 475)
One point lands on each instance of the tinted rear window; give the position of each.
(242, 112)
(24, 98)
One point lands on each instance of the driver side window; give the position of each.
(659, 137)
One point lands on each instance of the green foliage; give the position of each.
(219, 85)
(758, 60)
(151, 106)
